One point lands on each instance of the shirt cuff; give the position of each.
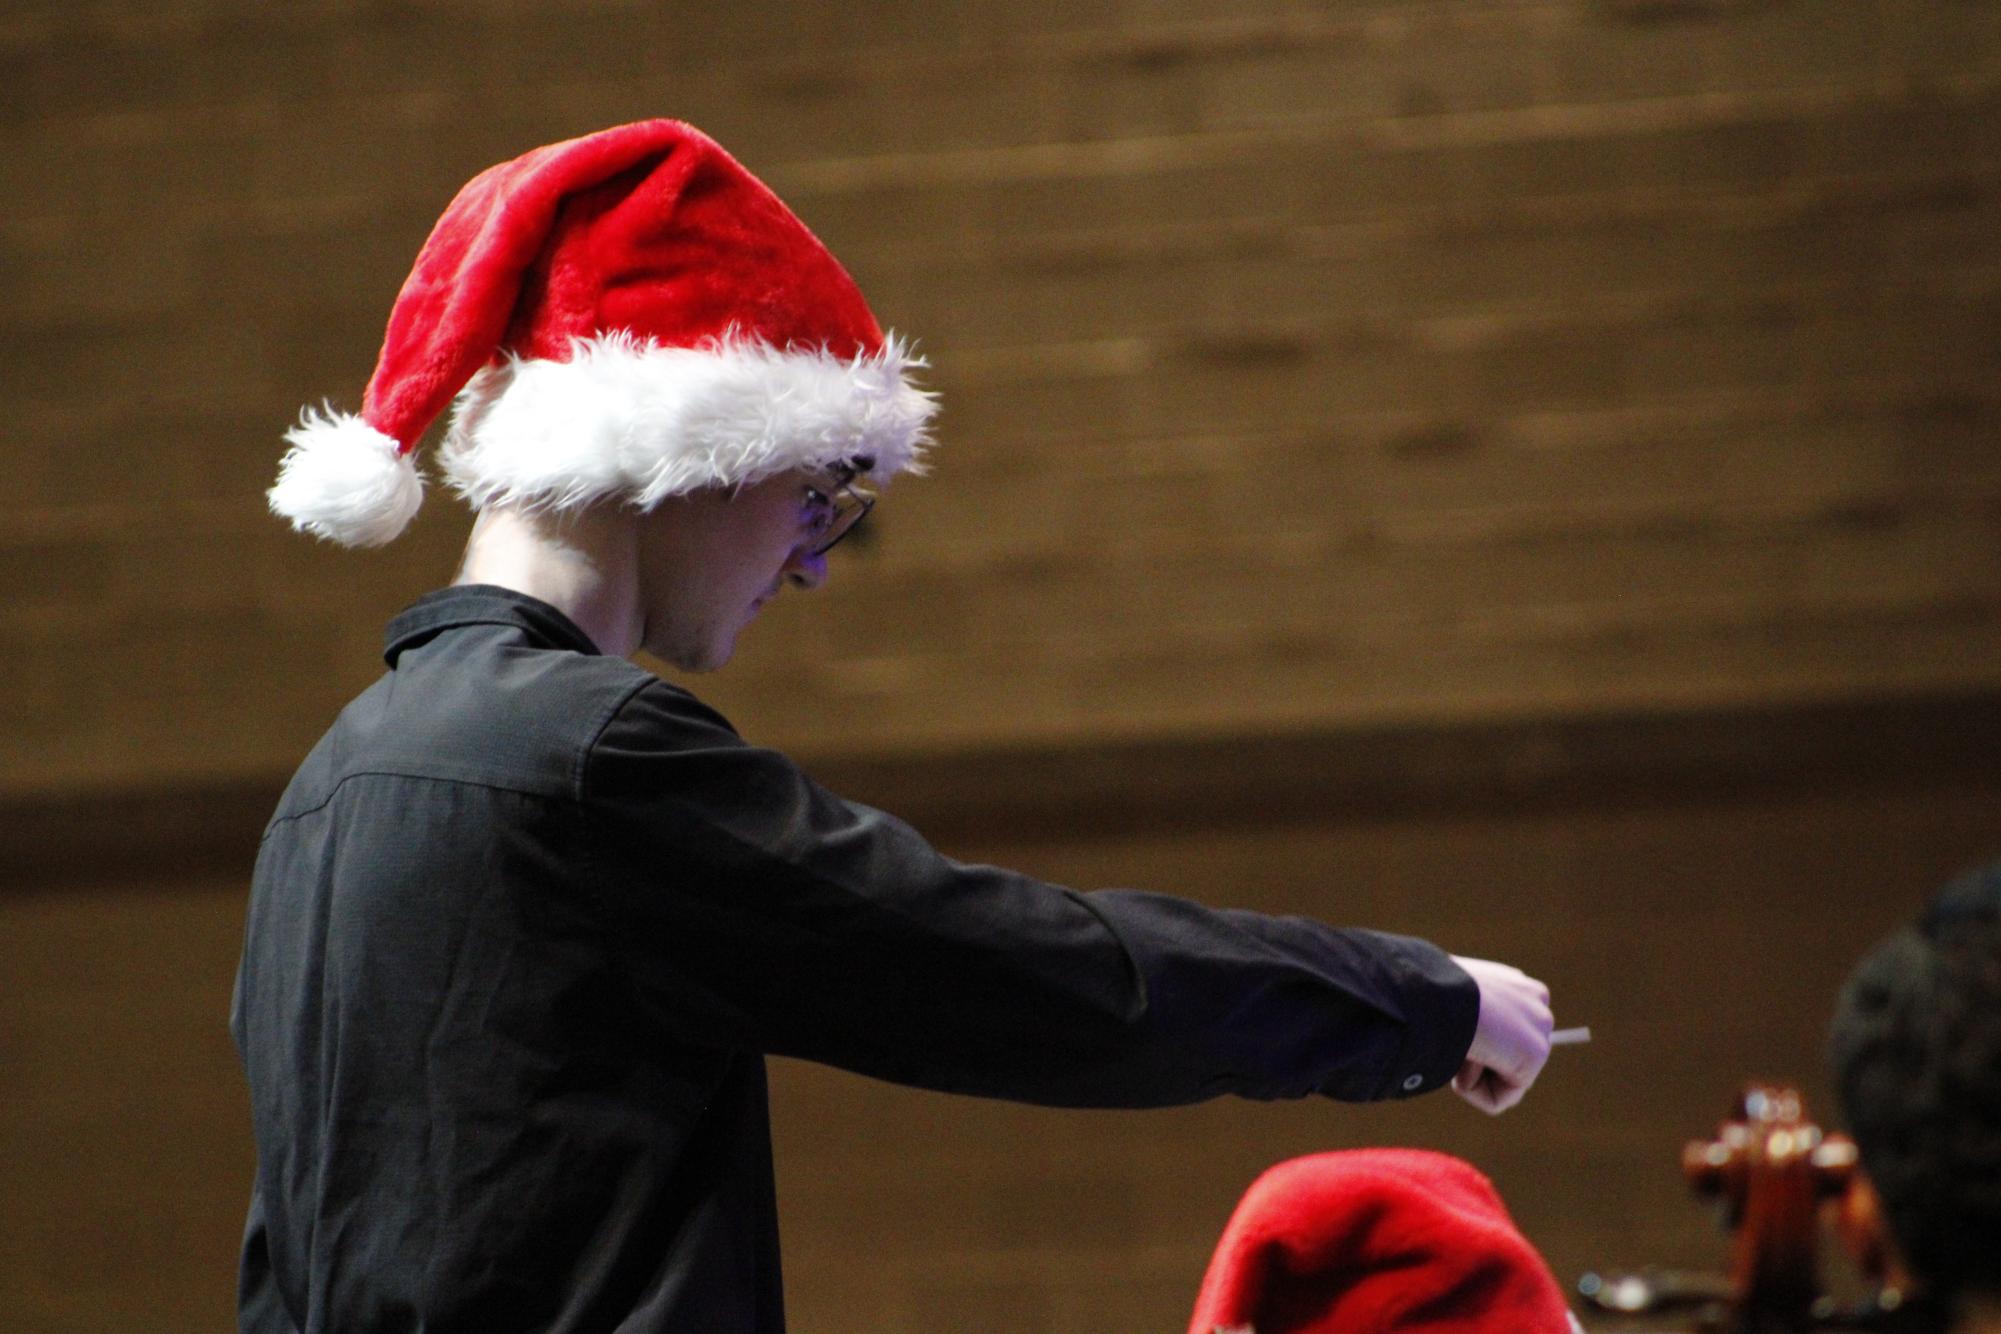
(1443, 1014)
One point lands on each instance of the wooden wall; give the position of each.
(1302, 366)
(1518, 472)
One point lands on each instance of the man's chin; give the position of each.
(717, 655)
(696, 659)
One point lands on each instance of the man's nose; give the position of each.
(806, 569)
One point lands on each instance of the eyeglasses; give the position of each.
(831, 517)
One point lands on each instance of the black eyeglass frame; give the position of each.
(843, 520)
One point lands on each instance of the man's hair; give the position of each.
(1916, 1049)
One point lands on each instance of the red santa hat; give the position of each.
(630, 314)
(1370, 1241)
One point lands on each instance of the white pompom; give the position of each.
(345, 481)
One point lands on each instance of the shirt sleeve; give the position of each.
(753, 909)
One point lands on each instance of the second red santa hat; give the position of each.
(1376, 1241)
(629, 314)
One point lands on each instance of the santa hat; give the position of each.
(630, 314)
(1369, 1241)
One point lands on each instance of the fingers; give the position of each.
(1467, 1084)
(1486, 1090)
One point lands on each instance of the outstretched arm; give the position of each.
(752, 909)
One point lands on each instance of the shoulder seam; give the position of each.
(580, 775)
(521, 790)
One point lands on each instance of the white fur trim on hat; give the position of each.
(626, 417)
(345, 481)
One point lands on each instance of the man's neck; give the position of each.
(583, 564)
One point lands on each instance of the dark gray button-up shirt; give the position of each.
(528, 918)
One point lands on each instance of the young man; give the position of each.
(528, 918)
(1916, 1049)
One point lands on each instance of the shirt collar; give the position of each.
(483, 604)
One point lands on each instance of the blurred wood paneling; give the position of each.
(1303, 366)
